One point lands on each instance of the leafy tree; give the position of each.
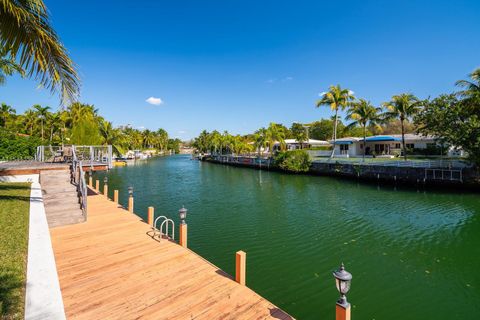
(299, 133)
(403, 107)
(26, 31)
(363, 113)
(293, 160)
(174, 144)
(338, 99)
(452, 121)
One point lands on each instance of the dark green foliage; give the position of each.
(295, 160)
(16, 147)
(456, 122)
(174, 144)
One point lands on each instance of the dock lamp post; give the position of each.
(182, 213)
(130, 199)
(105, 186)
(342, 280)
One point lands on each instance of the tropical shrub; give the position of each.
(17, 147)
(294, 160)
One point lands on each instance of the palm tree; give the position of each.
(42, 114)
(5, 113)
(471, 88)
(275, 133)
(148, 138)
(338, 99)
(30, 120)
(8, 66)
(260, 140)
(363, 113)
(299, 133)
(26, 31)
(53, 122)
(403, 106)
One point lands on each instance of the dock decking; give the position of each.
(110, 268)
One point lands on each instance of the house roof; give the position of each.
(310, 141)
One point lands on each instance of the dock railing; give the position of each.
(89, 155)
(78, 179)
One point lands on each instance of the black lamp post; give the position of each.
(342, 279)
(183, 214)
(130, 191)
(105, 180)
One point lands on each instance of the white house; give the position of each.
(383, 145)
(292, 144)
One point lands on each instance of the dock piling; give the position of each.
(105, 190)
(150, 216)
(90, 182)
(130, 203)
(240, 267)
(115, 196)
(97, 186)
(183, 235)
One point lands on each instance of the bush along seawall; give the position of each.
(435, 173)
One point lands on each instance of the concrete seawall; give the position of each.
(457, 177)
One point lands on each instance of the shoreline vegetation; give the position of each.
(79, 124)
(453, 119)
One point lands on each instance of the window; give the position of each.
(361, 145)
(397, 145)
(410, 145)
(344, 147)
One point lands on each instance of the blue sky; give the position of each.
(238, 65)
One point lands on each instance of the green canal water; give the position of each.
(413, 254)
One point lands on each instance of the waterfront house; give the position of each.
(292, 144)
(386, 145)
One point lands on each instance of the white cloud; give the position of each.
(182, 131)
(321, 94)
(154, 101)
(287, 79)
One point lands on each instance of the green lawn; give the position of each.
(14, 215)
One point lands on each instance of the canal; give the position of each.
(413, 254)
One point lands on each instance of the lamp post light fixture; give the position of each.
(343, 279)
(183, 214)
(105, 180)
(130, 191)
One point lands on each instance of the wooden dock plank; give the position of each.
(110, 268)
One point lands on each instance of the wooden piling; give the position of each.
(97, 186)
(90, 182)
(115, 196)
(342, 312)
(183, 235)
(240, 267)
(150, 216)
(105, 190)
(130, 204)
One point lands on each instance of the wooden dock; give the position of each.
(110, 268)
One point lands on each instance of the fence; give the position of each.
(89, 155)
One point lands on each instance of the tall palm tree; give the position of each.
(363, 113)
(403, 106)
(260, 137)
(8, 66)
(42, 114)
(30, 120)
(26, 31)
(53, 123)
(5, 113)
(471, 88)
(275, 133)
(338, 99)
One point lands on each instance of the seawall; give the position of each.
(463, 177)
